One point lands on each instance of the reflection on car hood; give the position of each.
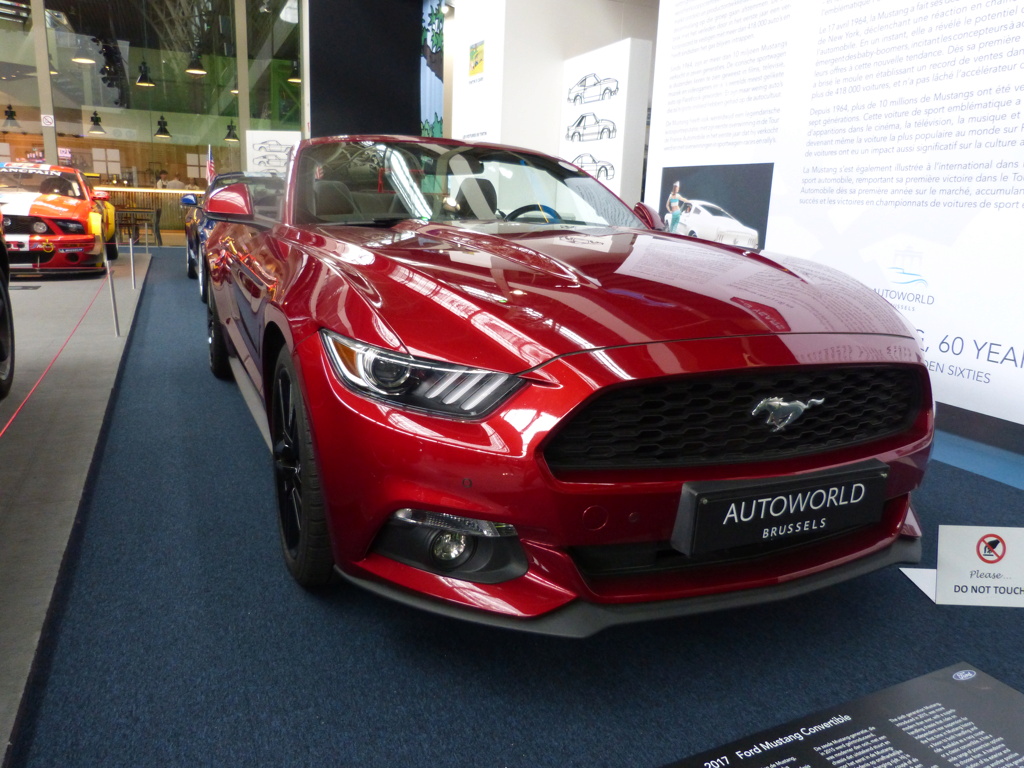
(518, 295)
(16, 203)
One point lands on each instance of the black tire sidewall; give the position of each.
(312, 563)
(220, 362)
(7, 329)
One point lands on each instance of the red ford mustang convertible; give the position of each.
(494, 391)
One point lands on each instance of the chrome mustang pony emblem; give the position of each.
(781, 413)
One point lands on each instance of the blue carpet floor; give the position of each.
(178, 639)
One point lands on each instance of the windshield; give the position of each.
(380, 182)
(41, 181)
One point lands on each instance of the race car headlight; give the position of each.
(70, 226)
(39, 227)
(427, 385)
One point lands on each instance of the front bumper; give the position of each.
(580, 619)
(67, 253)
(375, 459)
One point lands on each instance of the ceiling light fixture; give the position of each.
(195, 66)
(161, 129)
(96, 127)
(144, 81)
(10, 120)
(231, 136)
(83, 55)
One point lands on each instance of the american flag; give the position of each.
(210, 170)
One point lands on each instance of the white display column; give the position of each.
(604, 114)
(508, 79)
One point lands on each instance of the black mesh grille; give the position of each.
(701, 420)
(22, 225)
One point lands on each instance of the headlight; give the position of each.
(70, 226)
(39, 227)
(426, 385)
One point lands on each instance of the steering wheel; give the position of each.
(534, 207)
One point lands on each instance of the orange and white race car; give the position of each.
(53, 220)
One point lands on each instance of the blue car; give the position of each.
(267, 190)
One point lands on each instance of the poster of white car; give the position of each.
(591, 88)
(699, 218)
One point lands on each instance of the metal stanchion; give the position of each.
(131, 258)
(113, 299)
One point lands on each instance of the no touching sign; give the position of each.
(980, 566)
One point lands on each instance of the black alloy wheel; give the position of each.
(6, 339)
(301, 513)
(220, 360)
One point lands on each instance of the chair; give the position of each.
(477, 199)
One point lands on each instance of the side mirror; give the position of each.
(101, 194)
(189, 199)
(231, 202)
(649, 216)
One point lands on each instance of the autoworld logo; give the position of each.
(964, 674)
(991, 548)
(911, 291)
(901, 276)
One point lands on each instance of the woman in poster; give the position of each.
(674, 204)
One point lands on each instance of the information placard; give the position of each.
(980, 566)
(957, 716)
(881, 137)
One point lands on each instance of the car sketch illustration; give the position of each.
(272, 145)
(270, 161)
(589, 127)
(599, 169)
(592, 88)
(712, 222)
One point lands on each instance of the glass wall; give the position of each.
(124, 89)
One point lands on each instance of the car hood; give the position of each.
(511, 296)
(48, 206)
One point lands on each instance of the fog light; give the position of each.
(448, 547)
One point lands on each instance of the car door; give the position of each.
(252, 285)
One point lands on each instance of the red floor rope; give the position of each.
(59, 352)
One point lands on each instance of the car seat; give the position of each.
(477, 199)
(331, 198)
(55, 185)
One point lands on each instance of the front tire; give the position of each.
(6, 339)
(111, 249)
(220, 360)
(204, 281)
(302, 520)
(191, 260)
